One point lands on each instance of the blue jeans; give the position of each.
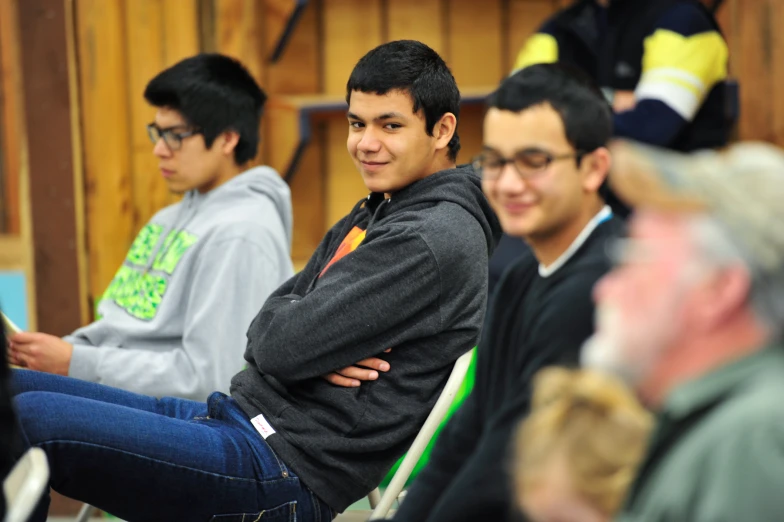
(142, 458)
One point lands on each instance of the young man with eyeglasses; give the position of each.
(173, 320)
(543, 165)
(405, 269)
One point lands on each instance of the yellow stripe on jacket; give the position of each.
(539, 48)
(680, 70)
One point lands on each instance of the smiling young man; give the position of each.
(405, 270)
(543, 164)
(173, 320)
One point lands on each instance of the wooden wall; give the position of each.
(16, 235)
(122, 43)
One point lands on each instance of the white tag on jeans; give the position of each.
(262, 426)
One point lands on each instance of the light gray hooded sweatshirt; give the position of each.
(173, 321)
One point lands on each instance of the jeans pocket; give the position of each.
(283, 513)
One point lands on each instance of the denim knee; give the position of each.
(40, 419)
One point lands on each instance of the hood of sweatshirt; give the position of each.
(258, 183)
(460, 185)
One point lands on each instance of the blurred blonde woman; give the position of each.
(578, 451)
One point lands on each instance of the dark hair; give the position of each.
(586, 114)
(215, 93)
(413, 67)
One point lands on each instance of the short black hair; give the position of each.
(585, 112)
(215, 93)
(415, 68)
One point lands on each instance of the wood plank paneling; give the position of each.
(105, 127)
(10, 116)
(726, 18)
(80, 241)
(308, 199)
(523, 20)
(776, 10)
(298, 71)
(16, 191)
(475, 47)
(145, 59)
(470, 129)
(47, 110)
(344, 185)
(344, 45)
(421, 20)
(753, 64)
(351, 29)
(239, 25)
(180, 30)
(159, 33)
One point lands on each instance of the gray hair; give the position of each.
(766, 296)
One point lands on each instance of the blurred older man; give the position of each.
(692, 317)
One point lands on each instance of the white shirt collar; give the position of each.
(604, 214)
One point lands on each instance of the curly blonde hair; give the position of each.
(591, 420)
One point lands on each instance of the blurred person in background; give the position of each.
(661, 63)
(543, 164)
(578, 451)
(174, 318)
(692, 318)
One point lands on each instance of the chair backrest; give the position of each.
(382, 504)
(24, 486)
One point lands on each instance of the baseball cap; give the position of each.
(741, 187)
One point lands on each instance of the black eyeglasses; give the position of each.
(527, 162)
(171, 137)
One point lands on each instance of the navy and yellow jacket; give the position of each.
(669, 52)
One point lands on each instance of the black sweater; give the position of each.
(417, 283)
(534, 322)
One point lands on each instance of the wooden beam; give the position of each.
(48, 120)
(78, 164)
(10, 116)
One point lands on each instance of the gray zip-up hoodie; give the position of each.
(174, 318)
(416, 282)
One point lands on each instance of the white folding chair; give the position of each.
(381, 504)
(24, 486)
(85, 513)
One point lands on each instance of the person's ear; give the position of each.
(595, 167)
(724, 293)
(229, 139)
(444, 129)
